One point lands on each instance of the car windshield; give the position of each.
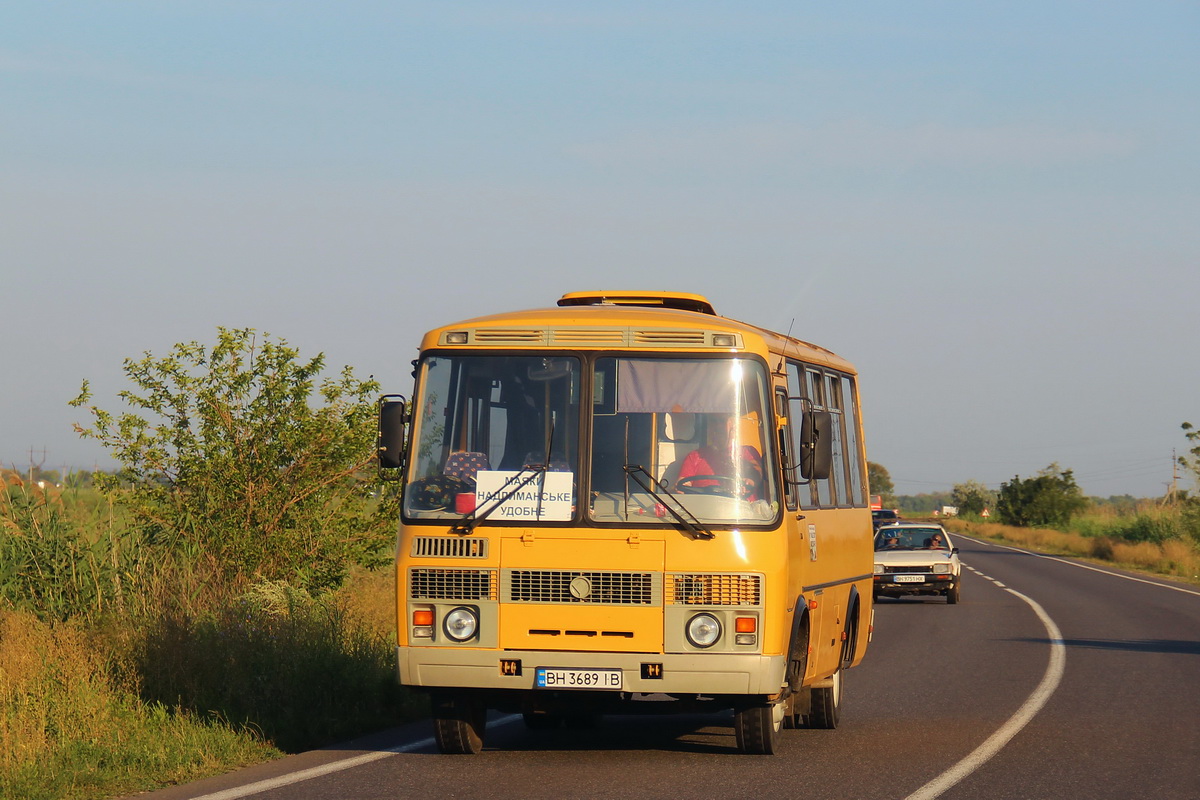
(911, 539)
(883, 517)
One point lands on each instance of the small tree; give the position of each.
(881, 483)
(1050, 498)
(237, 456)
(972, 497)
(1191, 461)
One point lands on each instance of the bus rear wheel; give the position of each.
(758, 727)
(459, 722)
(826, 704)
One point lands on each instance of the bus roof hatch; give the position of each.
(683, 301)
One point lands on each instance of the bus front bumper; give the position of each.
(671, 673)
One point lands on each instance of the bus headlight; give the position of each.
(703, 630)
(461, 624)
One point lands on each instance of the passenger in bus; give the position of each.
(718, 458)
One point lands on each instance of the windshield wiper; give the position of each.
(467, 524)
(691, 524)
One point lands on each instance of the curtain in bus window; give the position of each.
(838, 474)
(858, 496)
(704, 387)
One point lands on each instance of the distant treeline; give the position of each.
(917, 504)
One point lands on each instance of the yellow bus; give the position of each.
(628, 504)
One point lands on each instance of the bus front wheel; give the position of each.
(459, 721)
(757, 727)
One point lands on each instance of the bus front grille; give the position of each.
(721, 589)
(573, 586)
(448, 547)
(452, 584)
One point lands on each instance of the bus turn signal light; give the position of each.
(746, 624)
(423, 617)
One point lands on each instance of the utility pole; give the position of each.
(1173, 492)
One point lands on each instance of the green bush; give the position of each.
(1050, 498)
(242, 456)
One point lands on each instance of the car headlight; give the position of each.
(879, 569)
(461, 624)
(703, 630)
(942, 568)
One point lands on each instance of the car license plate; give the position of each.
(573, 678)
(910, 579)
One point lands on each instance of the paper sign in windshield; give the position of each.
(546, 497)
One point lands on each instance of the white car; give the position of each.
(916, 558)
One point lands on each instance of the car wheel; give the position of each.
(952, 595)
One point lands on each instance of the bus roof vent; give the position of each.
(682, 301)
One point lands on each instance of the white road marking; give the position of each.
(982, 754)
(326, 769)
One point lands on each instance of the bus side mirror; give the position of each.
(393, 418)
(816, 445)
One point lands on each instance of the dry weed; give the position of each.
(370, 595)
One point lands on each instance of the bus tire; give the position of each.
(826, 704)
(758, 727)
(793, 717)
(459, 722)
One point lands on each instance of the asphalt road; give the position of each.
(1051, 679)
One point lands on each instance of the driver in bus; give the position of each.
(720, 458)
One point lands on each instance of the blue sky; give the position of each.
(992, 209)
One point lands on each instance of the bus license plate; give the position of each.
(572, 678)
(910, 579)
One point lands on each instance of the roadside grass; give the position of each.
(124, 667)
(103, 709)
(303, 671)
(1152, 540)
(70, 729)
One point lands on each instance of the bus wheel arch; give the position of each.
(852, 629)
(797, 663)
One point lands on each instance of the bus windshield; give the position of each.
(665, 433)
(483, 423)
(696, 425)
